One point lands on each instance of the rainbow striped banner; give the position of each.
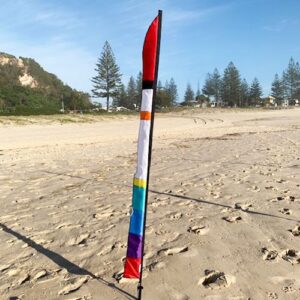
(136, 238)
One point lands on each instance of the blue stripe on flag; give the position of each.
(138, 199)
(136, 222)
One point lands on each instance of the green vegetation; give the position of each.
(130, 97)
(44, 96)
(189, 95)
(231, 90)
(107, 84)
(278, 89)
(108, 79)
(27, 89)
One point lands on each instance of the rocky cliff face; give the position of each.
(25, 79)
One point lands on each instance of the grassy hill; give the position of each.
(26, 88)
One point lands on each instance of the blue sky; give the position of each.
(67, 36)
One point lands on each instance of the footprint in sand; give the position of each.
(255, 188)
(118, 245)
(272, 295)
(270, 187)
(282, 281)
(40, 274)
(269, 254)
(159, 203)
(79, 240)
(161, 231)
(104, 215)
(4, 267)
(200, 230)
(156, 265)
(68, 226)
(292, 198)
(295, 231)
(22, 279)
(176, 216)
(234, 219)
(280, 180)
(289, 289)
(216, 280)
(285, 211)
(20, 276)
(241, 206)
(73, 286)
(13, 272)
(174, 237)
(227, 210)
(291, 256)
(279, 198)
(172, 251)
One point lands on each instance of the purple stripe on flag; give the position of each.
(134, 249)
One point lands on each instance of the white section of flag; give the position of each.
(147, 95)
(143, 150)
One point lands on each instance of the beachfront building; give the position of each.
(285, 103)
(270, 101)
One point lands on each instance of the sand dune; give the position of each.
(223, 216)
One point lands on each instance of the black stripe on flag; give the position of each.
(147, 84)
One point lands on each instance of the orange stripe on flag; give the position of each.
(145, 115)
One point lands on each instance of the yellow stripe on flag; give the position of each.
(139, 182)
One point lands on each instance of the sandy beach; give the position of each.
(223, 216)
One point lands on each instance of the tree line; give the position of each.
(108, 84)
(231, 90)
(228, 89)
(130, 96)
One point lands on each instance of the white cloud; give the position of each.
(56, 19)
(281, 25)
(200, 14)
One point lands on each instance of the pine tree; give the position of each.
(172, 91)
(291, 79)
(166, 97)
(208, 88)
(166, 87)
(131, 93)
(277, 89)
(139, 87)
(212, 86)
(216, 85)
(198, 93)
(120, 99)
(231, 84)
(108, 79)
(255, 92)
(189, 94)
(159, 88)
(163, 98)
(244, 98)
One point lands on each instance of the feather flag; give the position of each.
(136, 238)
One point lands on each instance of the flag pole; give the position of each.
(140, 284)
